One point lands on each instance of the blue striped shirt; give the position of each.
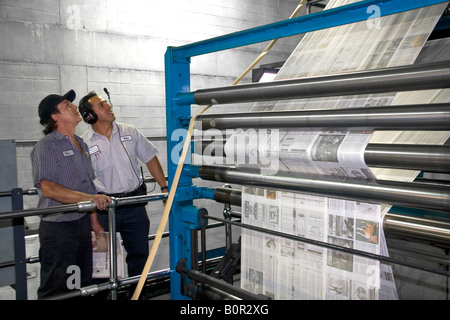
(54, 158)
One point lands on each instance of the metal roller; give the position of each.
(228, 196)
(428, 158)
(397, 79)
(231, 291)
(404, 117)
(419, 228)
(412, 195)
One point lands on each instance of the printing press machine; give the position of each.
(417, 226)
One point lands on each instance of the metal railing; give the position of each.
(86, 206)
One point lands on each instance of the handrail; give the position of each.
(83, 206)
(86, 206)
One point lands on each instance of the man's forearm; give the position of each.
(62, 194)
(156, 170)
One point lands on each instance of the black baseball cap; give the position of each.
(49, 103)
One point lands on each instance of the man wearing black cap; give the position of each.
(63, 174)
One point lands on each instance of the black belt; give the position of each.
(141, 190)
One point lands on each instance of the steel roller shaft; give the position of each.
(417, 227)
(395, 79)
(404, 117)
(428, 158)
(413, 195)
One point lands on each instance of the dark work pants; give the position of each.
(133, 224)
(62, 245)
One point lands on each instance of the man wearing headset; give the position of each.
(114, 149)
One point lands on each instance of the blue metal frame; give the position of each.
(182, 217)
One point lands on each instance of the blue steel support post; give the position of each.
(177, 80)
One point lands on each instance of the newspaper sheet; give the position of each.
(284, 269)
(335, 153)
(100, 256)
(380, 42)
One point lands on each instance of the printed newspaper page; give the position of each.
(286, 269)
(100, 256)
(335, 153)
(304, 271)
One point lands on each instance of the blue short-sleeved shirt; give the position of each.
(56, 159)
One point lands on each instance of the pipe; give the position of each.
(228, 196)
(434, 75)
(84, 206)
(39, 211)
(112, 250)
(404, 117)
(206, 292)
(417, 227)
(96, 288)
(429, 158)
(413, 195)
(219, 284)
(29, 191)
(140, 199)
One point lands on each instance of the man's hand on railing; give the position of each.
(101, 201)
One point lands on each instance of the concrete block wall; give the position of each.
(51, 46)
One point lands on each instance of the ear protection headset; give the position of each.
(89, 116)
